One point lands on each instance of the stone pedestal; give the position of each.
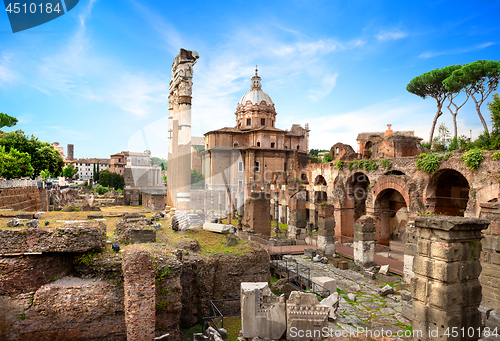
(297, 218)
(364, 241)
(262, 313)
(326, 228)
(445, 290)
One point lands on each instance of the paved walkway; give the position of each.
(369, 310)
(395, 266)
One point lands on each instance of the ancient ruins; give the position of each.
(276, 246)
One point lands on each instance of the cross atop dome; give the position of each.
(256, 81)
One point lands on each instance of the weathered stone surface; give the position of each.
(231, 240)
(332, 302)
(364, 241)
(325, 283)
(72, 238)
(128, 231)
(139, 275)
(445, 290)
(386, 290)
(309, 252)
(95, 216)
(257, 214)
(262, 313)
(219, 228)
(305, 313)
(25, 216)
(28, 273)
(14, 222)
(33, 224)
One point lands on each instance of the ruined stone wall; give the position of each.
(490, 257)
(154, 201)
(20, 199)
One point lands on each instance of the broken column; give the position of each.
(326, 228)
(364, 241)
(139, 287)
(305, 317)
(490, 257)
(257, 214)
(262, 313)
(179, 146)
(445, 290)
(297, 222)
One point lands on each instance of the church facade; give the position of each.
(254, 152)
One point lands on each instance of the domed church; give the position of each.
(251, 153)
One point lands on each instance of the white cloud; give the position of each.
(328, 82)
(391, 35)
(456, 51)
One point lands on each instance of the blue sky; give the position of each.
(98, 76)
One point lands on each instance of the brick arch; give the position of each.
(486, 194)
(391, 182)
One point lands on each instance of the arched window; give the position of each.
(236, 144)
(298, 147)
(258, 143)
(272, 144)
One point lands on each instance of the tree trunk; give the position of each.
(478, 109)
(438, 113)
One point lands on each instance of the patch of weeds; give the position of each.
(21, 316)
(87, 257)
(160, 275)
(340, 291)
(162, 305)
(53, 279)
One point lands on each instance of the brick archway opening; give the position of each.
(391, 211)
(447, 193)
(320, 195)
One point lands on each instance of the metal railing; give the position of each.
(299, 275)
(221, 309)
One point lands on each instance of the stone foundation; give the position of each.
(21, 199)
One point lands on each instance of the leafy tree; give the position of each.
(160, 162)
(111, 180)
(478, 80)
(97, 173)
(430, 84)
(315, 152)
(494, 108)
(7, 121)
(45, 174)
(43, 155)
(327, 158)
(69, 171)
(196, 177)
(14, 164)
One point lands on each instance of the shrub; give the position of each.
(386, 164)
(339, 165)
(100, 189)
(367, 165)
(472, 159)
(429, 163)
(496, 156)
(447, 156)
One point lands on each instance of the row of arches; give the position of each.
(447, 193)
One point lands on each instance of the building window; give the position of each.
(262, 121)
(240, 166)
(297, 147)
(258, 143)
(240, 183)
(249, 121)
(257, 166)
(272, 144)
(337, 151)
(285, 167)
(235, 144)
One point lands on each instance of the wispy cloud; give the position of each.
(391, 35)
(7, 73)
(456, 51)
(328, 82)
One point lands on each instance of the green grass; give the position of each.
(281, 226)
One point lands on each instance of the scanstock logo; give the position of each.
(27, 14)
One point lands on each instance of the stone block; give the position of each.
(27, 216)
(343, 265)
(364, 236)
(309, 253)
(386, 290)
(332, 301)
(262, 313)
(305, 313)
(138, 236)
(326, 283)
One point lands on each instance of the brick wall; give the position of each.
(158, 200)
(20, 198)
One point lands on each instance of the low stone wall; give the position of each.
(155, 202)
(79, 238)
(20, 199)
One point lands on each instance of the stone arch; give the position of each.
(447, 193)
(394, 172)
(486, 194)
(391, 215)
(356, 194)
(320, 194)
(303, 179)
(392, 182)
(367, 149)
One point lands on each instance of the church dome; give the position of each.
(255, 95)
